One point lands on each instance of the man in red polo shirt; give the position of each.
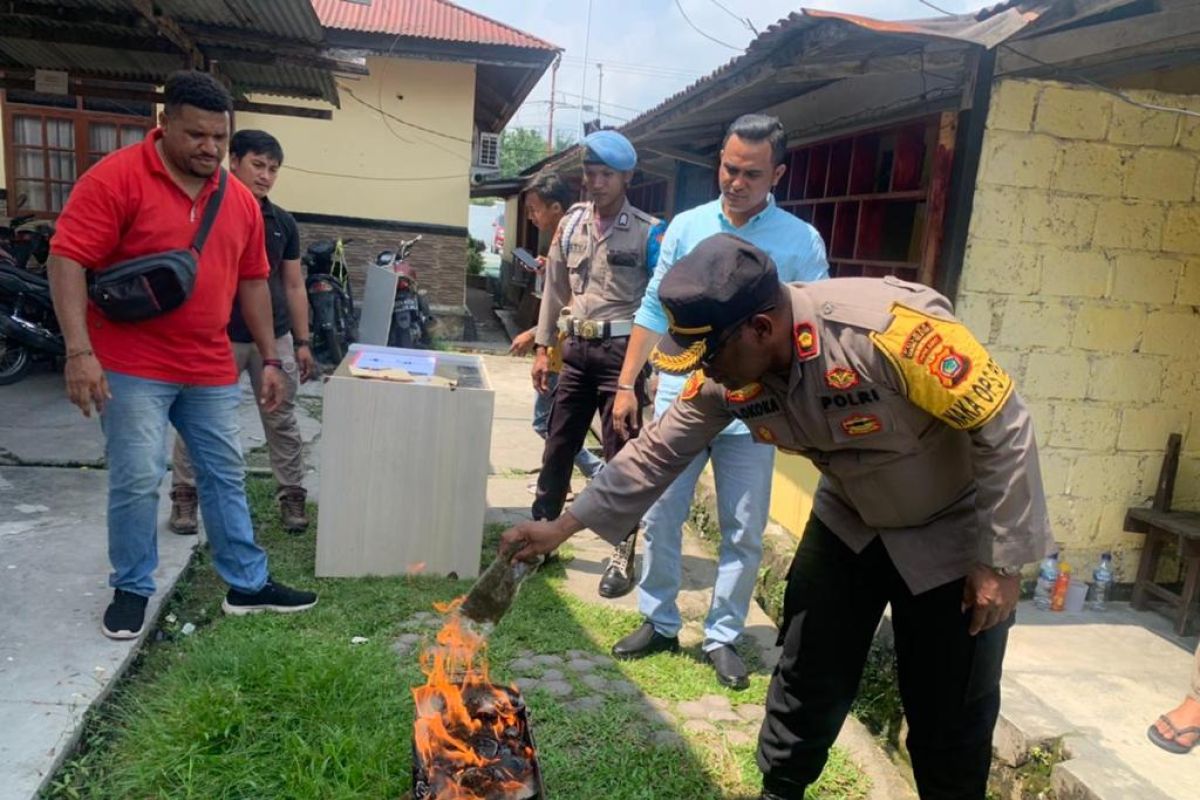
(177, 367)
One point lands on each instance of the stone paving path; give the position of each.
(585, 682)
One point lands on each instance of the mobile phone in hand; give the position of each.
(526, 259)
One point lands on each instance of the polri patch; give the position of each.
(862, 397)
(861, 424)
(765, 434)
(841, 378)
(623, 220)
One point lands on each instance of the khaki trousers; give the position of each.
(284, 442)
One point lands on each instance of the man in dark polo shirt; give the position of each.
(176, 367)
(254, 159)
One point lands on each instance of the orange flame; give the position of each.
(458, 707)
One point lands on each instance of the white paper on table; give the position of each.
(414, 365)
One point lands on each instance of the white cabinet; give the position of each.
(404, 470)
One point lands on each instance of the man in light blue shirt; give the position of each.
(751, 164)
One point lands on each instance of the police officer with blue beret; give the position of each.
(600, 262)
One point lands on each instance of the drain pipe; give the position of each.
(963, 174)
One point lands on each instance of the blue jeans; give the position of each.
(742, 468)
(135, 428)
(588, 462)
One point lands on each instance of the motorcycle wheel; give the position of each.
(15, 361)
(335, 347)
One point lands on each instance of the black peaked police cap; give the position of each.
(707, 294)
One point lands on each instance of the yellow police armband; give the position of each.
(945, 370)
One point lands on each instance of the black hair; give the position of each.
(251, 141)
(760, 128)
(190, 87)
(552, 189)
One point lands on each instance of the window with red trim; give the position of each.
(49, 142)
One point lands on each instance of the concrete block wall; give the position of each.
(1082, 275)
(439, 259)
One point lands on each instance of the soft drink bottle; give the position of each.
(1058, 598)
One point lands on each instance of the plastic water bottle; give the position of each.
(1047, 575)
(1102, 583)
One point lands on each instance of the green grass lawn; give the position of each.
(273, 707)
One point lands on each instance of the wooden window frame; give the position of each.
(81, 119)
(826, 178)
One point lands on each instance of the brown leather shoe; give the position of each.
(291, 508)
(183, 511)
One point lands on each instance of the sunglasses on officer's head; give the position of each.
(708, 358)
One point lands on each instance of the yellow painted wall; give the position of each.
(792, 489)
(1082, 275)
(360, 142)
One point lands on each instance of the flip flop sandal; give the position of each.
(1172, 745)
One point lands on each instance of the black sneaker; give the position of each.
(271, 597)
(125, 615)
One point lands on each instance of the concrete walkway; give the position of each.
(1097, 681)
(54, 662)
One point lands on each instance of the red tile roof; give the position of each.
(424, 19)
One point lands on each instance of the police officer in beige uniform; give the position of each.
(599, 264)
(930, 499)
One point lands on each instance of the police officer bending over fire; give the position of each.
(930, 499)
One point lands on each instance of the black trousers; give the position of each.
(949, 680)
(588, 382)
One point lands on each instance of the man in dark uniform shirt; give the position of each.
(255, 158)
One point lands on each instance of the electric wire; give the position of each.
(744, 20)
(375, 177)
(697, 29)
(1117, 93)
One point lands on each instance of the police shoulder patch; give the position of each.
(805, 337)
(695, 383)
(944, 368)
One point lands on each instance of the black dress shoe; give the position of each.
(730, 669)
(645, 641)
(618, 579)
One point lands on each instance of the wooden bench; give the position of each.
(1163, 526)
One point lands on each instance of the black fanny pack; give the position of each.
(147, 286)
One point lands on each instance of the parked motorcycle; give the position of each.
(332, 318)
(26, 244)
(28, 327)
(410, 311)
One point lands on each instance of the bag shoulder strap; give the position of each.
(565, 241)
(210, 212)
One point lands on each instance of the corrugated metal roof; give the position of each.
(289, 19)
(114, 63)
(423, 19)
(993, 29)
(135, 52)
